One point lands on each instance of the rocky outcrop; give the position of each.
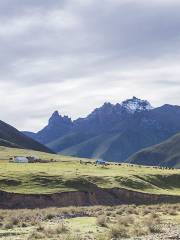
(113, 196)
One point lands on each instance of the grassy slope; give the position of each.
(166, 153)
(67, 174)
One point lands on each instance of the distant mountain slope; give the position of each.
(68, 140)
(8, 144)
(114, 146)
(11, 137)
(166, 153)
(113, 131)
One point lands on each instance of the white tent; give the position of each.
(20, 160)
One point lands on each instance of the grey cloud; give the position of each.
(95, 51)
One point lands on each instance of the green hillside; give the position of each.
(164, 154)
(67, 174)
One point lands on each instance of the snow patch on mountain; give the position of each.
(136, 105)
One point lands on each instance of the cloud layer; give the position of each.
(75, 55)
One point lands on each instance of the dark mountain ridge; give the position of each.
(113, 131)
(11, 137)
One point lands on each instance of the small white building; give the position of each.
(19, 159)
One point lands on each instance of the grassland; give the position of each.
(67, 174)
(86, 223)
(92, 223)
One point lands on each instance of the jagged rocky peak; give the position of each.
(106, 108)
(135, 105)
(56, 118)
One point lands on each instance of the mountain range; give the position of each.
(113, 132)
(11, 137)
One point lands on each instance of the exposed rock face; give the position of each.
(97, 197)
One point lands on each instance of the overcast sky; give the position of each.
(74, 55)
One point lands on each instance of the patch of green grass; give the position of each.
(67, 174)
(86, 226)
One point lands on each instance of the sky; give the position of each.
(74, 55)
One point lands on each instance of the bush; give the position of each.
(36, 235)
(118, 231)
(125, 220)
(155, 228)
(49, 216)
(52, 230)
(139, 229)
(8, 225)
(101, 221)
(11, 222)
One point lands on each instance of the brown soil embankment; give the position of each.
(99, 196)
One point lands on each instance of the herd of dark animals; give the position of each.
(121, 164)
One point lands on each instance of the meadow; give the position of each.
(68, 174)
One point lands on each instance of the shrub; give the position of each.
(49, 216)
(10, 221)
(172, 212)
(139, 229)
(52, 230)
(153, 223)
(101, 221)
(14, 220)
(36, 235)
(125, 220)
(118, 231)
(155, 228)
(8, 225)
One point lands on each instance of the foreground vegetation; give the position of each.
(68, 174)
(100, 223)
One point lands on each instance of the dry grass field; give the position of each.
(90, 223)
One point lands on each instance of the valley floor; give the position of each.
(145, 222)
(67, 175)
